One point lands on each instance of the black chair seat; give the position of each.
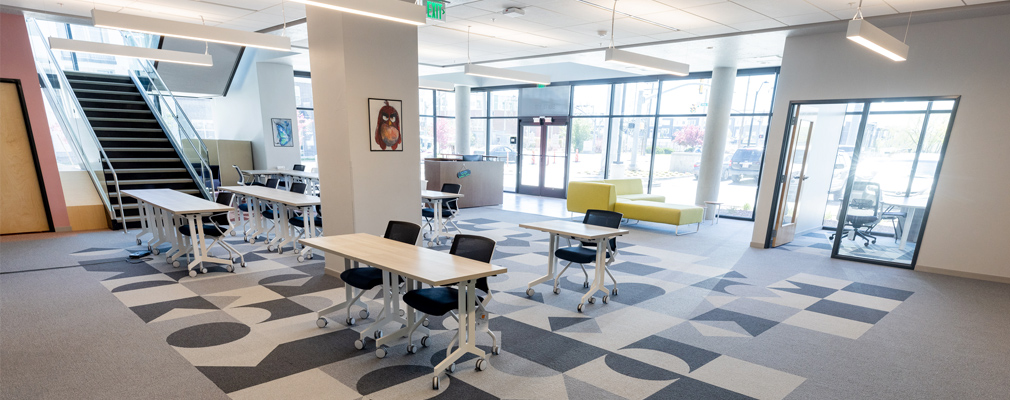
(434, 301)
(578, 255)
(861, 219)
(268, 214)
(244, 207)
(257, 184)
(300, 222)
(208, 230)
(428, 212)
(363, 278)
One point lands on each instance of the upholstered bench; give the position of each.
(673, 214)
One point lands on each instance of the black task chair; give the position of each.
(441, 300)
(298, 167)
(367, 278)
(246, 179)
(270, 215)
(216, 226)
(449, 209)
(298, 224)
(863, 211)
(585, 252)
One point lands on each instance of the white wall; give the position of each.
(363, 58)
(260, 91)
(967, 225)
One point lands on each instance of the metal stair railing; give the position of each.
(74, 122)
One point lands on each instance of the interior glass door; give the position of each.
(543, 157)
(791, 184)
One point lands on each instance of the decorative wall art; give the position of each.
(283, 134)
(385, 134)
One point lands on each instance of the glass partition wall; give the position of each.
(868, 176)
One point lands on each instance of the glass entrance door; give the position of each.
(543, 157)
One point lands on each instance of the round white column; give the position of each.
(462, 119)
(716, 132)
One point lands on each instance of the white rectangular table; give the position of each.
(416, 265)
(312, 178)
(283, 201)
(909, 205)
(163, 211)
(583, 232)
(435, 198)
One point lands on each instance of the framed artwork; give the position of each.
(384, 125)
(283, 134)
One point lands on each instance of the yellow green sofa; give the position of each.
(603, 195)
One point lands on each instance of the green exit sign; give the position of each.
(436, 10)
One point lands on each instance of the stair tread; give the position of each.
(121, 129)
(114, 92)
(131, 139)
(97, 82)
(150, 181)
(144, 170)
(96, 99)
(140, 149)
(115, 119)
(144, 159)
(122, 110)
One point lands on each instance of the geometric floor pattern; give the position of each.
(885, 249)
(253, 332)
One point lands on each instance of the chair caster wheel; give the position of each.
(350, 321)
(230, 268)
(280, 250)
(411, 349)
(243, 264)
(580, 307)
(496, 350)
(176, 264)
(434, 383)
(363, 314)
(322, 322)
(139, 242)
(585, 285)
(270, 248)
(424, 341)
(377, 334)
(300, 258)
(380, 352)
(192, 273)
(233, 233)
(452, 368)
(203, 270)
(592, 300)
(155, 251)
(614, 292)
(530, 292)
(251, 241)
(557, 290)
(403, 312)
(605, 299)
(358, 344)
(309, 256)
(481, 364)
(425, 323)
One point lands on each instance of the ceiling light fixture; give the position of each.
(873, 38)
(501, 73)
(612, 54)
(391, 10)
(183, 30)
(178, 57)
(435, 85)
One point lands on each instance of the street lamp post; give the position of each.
(751, 130)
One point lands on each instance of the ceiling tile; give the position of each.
(758, 25)
(867, 11)
(465, 12)
(713, 30)
(638, 8)
(673, 35)
(576, 10)
(837, 5)
(725, 13)
(682, 4)
(920, 5)
(778, 8)
(682, 20)
(808, 18)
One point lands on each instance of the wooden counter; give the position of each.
(483, 187)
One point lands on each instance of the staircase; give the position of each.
(131, 136)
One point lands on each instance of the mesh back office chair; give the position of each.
(216, 226)
(367, 278)
(585, 252)
(449, 209)
(445, 299)
(863, 211)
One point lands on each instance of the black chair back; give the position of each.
(609, 219)
(865, 196)
(223, 198)
(451, 188)
(272, 183)
(404, 232)
(298, 187)
(298, 167)
(476, 248)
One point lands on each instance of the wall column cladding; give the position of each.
(462, 119)
(355, 58)
(716, 132)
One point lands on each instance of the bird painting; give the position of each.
(387, 128)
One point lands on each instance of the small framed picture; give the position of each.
(283, 134)
(384, 125)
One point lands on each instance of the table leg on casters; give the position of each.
(598, 280)
(467, 337)
(348, 296)
(310, 232)
(550, 268)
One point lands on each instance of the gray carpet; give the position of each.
(698, 316)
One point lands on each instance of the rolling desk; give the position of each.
(435, 198)
(582, 232)
(283, 201)
(163, 211)
(416, 265)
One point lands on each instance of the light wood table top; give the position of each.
(176, 202)
(434, 194)
(289, 172)
(274, 195)
(425, 265)
(575, 229)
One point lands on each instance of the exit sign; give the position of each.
(436, 10)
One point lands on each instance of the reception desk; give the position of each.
(483, 187)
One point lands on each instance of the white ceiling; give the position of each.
(695, 30)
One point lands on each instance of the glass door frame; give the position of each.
(795, 105)
(541, 190)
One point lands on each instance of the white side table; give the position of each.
(718, 207)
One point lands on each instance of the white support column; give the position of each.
(716, 133)
(462, 119)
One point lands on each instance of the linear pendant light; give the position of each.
(508, 74)
(156, 26)
(875, 39)
(391, 10)
(179, 57)
(644, 61)
(435, 85)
